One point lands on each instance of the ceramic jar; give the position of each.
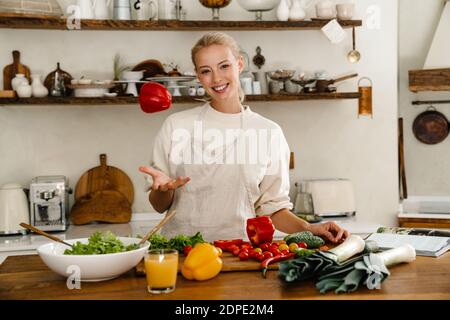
(291, 87)
(38, 89)
(101, 9)
(274, 87)
(18, 80)
(261, 77)
(325, 10)
(297, 11)
(345, 11)
(283, 10)
(24, 90)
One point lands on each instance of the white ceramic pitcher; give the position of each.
(101, 9)
(86, 9)
(297, 12)
(148, 10)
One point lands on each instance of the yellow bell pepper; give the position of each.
(202, 263)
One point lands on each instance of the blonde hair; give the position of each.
(218, 38)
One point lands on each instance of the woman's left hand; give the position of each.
(329, 230)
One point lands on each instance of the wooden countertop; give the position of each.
(27, 277)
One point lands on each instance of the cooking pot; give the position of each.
(154, 97)
(14, 209)
(322, 84)
(431, 126)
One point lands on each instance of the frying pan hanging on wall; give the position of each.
(431, 126)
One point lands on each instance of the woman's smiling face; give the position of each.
(218, 71)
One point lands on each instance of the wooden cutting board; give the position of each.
(10, 71)
(101, 206)
(104, 177)
(230, 263)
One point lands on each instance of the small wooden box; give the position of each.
(7, 94)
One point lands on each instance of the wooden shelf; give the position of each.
(17, 21)
(429, 80)
(183, 99)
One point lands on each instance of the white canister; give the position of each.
(256, 87)
(165, 9)
(101, 9)
(246, 84)
(24, 90)
(122, 10)
(38, 89)
(345, 11)
(86, 9)
(325, 10)
(18, 80)
(147, 10)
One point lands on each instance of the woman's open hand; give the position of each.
(163, 182)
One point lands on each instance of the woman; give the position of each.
(220, 185)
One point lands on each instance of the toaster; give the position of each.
(326, 197)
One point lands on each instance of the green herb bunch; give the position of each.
(178, 242)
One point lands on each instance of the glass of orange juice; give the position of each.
(161, 268)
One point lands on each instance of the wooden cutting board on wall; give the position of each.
(104, 177)
(10, 71)
(103, 194)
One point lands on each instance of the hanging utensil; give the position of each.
(322, 84)
(354, 56)
(365, 99)
(158, 226)
(45, 234)
(431, 126)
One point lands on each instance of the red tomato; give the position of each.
(302, 245)
(260, 257)
(284, 252)
(243, 250)
(236, 251)
(253, 254)
(267, 255)
(265, 246)
(243, 256)
(232, 247)
(275, 251)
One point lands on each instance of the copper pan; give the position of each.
(322, 85)
(431, 126)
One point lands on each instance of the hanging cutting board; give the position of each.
(109, 206)
(104, 177)
(230, 263)
(10, 71)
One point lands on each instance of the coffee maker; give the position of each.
(49, 203)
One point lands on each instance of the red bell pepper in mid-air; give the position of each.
(260, 230)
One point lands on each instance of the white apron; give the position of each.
(218, 207)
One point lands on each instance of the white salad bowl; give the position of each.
(95, 267)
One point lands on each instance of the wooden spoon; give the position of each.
(158, 226)
(45, 234)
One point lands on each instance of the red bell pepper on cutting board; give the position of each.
(260, 230)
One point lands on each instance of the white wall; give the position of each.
(327, 137)
(427, 166)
